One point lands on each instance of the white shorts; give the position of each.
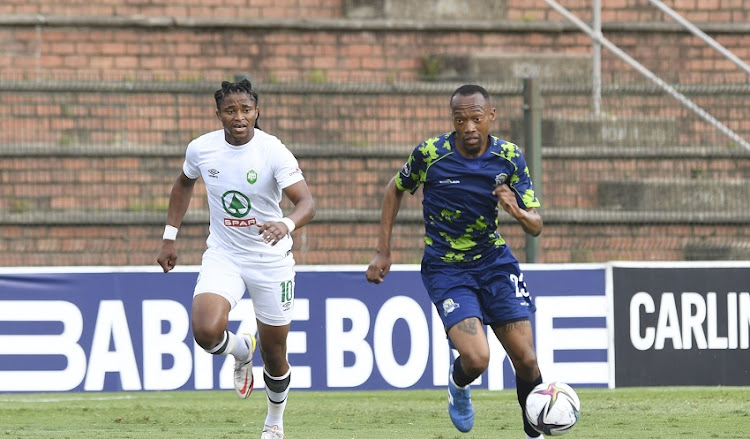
(269, 283)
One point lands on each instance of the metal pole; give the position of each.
(650, 75)
(597, 59)
(532, 121)
(700, 34)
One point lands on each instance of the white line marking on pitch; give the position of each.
(100, 398)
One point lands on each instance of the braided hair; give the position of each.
(243, 86)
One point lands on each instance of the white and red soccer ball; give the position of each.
(553, 408)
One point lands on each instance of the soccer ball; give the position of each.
(553, 408)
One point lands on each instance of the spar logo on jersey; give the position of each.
(252, 176)
(236, 204)
(233, 222)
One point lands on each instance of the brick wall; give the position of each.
(78, 221)
(170, 116)
(321, 243)
(86, 52)
(312, 42)
(281, 40)
(313, 9)
(736, 11)
(107, 185)
(697, 11)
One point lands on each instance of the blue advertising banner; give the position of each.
(112, 329)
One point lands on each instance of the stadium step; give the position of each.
(696, 195)
(604, 131)
(427, 9)
(507, 66)
(703, 251)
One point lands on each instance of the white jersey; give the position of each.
(243, 185)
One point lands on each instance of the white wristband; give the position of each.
(289, 224)
(170, 232)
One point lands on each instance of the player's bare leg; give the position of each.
(210, 317)
(468, 337)
(518, 340)
(277, 376)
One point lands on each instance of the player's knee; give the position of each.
(274, 365)
(526, 365)
(207, 336)
(475, 363)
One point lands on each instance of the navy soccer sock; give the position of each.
(523, 388)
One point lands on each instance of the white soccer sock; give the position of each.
(240, 350)
(538, 437)
(276, 409)
(275, 414)
(233, 345)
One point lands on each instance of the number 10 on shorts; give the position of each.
(287, 291)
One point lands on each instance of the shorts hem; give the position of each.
(272, 322)
(505, 322)
(448, 328)
(226, 296)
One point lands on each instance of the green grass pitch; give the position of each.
(632, 413)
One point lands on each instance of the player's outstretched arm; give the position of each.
(530, 219)
(179, 200)
(381, 263)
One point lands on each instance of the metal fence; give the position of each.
(87, 167)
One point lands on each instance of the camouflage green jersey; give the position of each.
(460, 211)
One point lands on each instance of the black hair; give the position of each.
(470, 89)
(243, 86)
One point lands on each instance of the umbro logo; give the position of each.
(213, 173)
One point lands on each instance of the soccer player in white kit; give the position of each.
(245, 171)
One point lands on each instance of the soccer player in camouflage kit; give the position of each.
(468, 270)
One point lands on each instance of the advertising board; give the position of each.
(112, 329)
(681, 324)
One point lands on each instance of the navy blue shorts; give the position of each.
(493, 291)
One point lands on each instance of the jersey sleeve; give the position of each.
(414, 171)
(520, 181)
(286, 171)
(190, 166)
